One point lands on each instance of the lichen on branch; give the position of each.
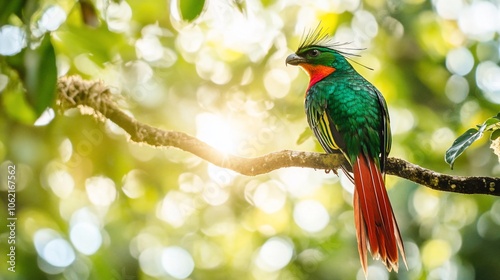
(94, 97)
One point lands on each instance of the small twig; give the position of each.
(75, 92)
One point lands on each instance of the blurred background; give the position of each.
(92, 205)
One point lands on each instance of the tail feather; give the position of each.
(374, 217)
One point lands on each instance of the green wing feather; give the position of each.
(361, 121)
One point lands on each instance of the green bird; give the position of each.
(348, 114)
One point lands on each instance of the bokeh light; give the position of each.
(101, 191)
(150, 262)
(449, 9)
(46, 117)
(479, 20)
(12, 39)
(457, 88)
(86, 237)
(149, 48)
(61, 182)
(275, 254)
(269, 196)
(459, 61)
(277, 83)
(118, 15)
(311, 215)
(114, 208)
(402, 120)
(435, 252)
(51, 19)
(175, 208)
(487, 74)
(50, 246)
(133, 185)
(177, 262)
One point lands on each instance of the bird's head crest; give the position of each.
(321, 37)
(315, 37)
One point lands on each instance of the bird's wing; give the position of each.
(385, 132)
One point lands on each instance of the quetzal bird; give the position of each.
(347, 113)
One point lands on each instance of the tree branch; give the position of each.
(74, 92)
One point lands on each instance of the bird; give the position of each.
(348, 114)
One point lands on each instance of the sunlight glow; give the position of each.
(217, 131)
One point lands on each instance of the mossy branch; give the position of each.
(75, 92)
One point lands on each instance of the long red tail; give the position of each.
(374, 217)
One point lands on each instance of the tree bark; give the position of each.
(74, 92)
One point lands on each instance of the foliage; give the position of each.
(34, 66)
(471, 135)
(91, 205)
(191, 9)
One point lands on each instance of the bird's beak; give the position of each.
(294, 59)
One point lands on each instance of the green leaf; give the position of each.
(10, 7)
(41, 75)
(491, 122)
(471, 135)
(495, 134)
(73, 41)
(191, 9)
(462, 143)
(306, 134)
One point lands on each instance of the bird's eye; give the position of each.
(313, 53)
